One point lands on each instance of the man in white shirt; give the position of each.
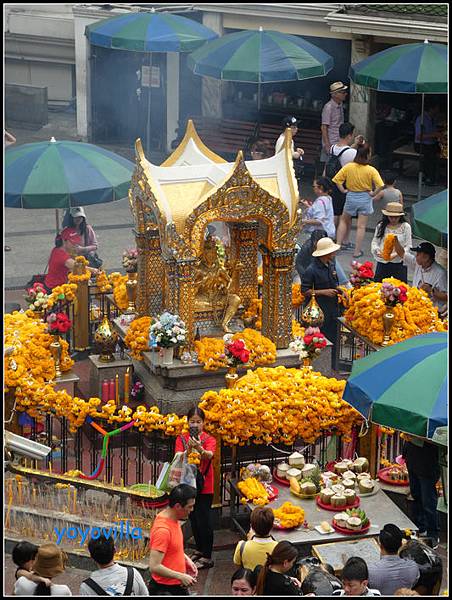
(332, 118)
(111, 579)
(428, 274)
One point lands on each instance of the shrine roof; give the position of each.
(193, 172)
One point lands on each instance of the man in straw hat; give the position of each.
(332, 118)
(428, 274)
(50, 562)
(322, 276)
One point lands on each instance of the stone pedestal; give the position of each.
(67, 382)
(100, 370)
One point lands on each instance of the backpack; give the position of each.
(333, 164)
(100, 590)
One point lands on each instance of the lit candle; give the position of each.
(126, 385)
(122, 482)
(75, 500)
(117, 389)
(50, 467)
(34, 496)
(105, 390)
(69, 498)
(19, 487)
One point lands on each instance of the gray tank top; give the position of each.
(391, 195)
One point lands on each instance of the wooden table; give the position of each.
(379, 509)
(406, 152)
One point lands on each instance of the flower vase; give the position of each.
(56, 349)
(131, 289)
(106, 339)
(168, 356)
(388, 322)
(231, 377)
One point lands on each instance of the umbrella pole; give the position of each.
(258, 108)
(57, 220)
(421, 161)
(148, 121)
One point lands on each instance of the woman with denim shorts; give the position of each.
(361, 181)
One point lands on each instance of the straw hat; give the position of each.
(325, 246)
(337, 86)
(50, 561)
(393, 209)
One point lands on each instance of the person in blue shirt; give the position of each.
(429, 137)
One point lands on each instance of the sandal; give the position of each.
(195, 555)
(204, 563)
(359, 255)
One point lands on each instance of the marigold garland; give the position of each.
(279, 405)
(137, 337)
(211, 351)
(297, 296)
(62, 293)
(388, 247)
(254, 311)
(289, 515)
(118, 282)
(79, 278)
(253, 490)
(416, 316)
(30, 369)
(297, 329)
(102, 282)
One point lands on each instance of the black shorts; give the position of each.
(338, 201)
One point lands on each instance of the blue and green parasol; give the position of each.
(64, 174)
(403, 386)
(430, 219)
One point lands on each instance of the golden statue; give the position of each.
(213, 283)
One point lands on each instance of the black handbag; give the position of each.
(94, 261)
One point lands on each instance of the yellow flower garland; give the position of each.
(416, 316)
(297, 329)
(253, 490)
(62, 293)
(297, 296)
(211, 350)
(279, 405)
(137, 337)
(118, 282)
(289, 515)
(102, 282)
(388, 247)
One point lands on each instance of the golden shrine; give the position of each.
(172, 205)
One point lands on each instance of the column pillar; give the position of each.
(171, 295)
(186, 296)
(277, 297)
(244, 249)
(362, 99)
(82, 76)
(150, 292)
(172, 109)
(212, 88)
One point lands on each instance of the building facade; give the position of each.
(45, 45)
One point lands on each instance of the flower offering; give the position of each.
(310, 345)
(167, 331)
(361, 274)
(393, 294)
(130, 260)
(388, 247)
(58, 323)
(235, 351)
(37, 298)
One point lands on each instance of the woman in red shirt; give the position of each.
(61, 261)
(201, 517)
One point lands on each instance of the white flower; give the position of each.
(181, 338)
(303, 354)
(174, 340)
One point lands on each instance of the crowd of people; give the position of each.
(265, 567)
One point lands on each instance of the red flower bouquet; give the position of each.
(58, 323)
(392, 294)
(236, 352)
(314, 341)
(361, 274)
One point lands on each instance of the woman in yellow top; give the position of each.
(254, 551)
(362, 181)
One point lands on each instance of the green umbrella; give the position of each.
(403, 386)
(419, 68)
(430, 219)
(64, 174)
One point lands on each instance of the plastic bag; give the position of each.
(189, 473)
(175, 470)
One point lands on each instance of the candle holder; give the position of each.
(388, 323)
(56, 349)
